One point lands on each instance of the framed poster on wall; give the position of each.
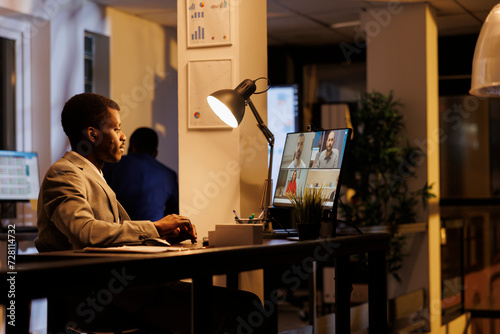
(208, 23)
(204, 78)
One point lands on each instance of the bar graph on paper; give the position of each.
(208, 23)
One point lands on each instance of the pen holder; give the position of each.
(249, 221)
(238, 234)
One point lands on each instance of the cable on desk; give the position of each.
(349, 217)
(277, 222)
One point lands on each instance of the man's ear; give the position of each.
(92, 134)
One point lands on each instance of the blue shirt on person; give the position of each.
(146, 188)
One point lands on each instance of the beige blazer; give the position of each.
(76, 209)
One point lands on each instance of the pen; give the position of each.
(261, 214)
(236, 214)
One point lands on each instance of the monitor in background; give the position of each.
(312, 160)
(19, 180)
(282, 116)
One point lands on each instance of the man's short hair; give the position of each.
(144, 140)
(83, 111)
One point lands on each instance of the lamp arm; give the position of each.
(260, 123)
(270, 139)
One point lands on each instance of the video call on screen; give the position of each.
(311, 160)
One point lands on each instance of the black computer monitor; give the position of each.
(19, 178)
(312, 160)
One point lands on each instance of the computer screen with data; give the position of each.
(282, 118)
(19, 180)
(312, 160)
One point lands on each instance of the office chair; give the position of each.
(108, 321)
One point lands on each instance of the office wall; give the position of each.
(144, 79)
(410, 71)
(143, 74)
(68, 23)
(223, 170)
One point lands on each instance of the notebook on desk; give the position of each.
(133, 249)
(151, 245)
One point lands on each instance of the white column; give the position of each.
(402, 57)
(222, 170)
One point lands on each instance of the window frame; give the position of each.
(19, 32)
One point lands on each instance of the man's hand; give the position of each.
(175, 228)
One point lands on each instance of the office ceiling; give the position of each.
(323, 22)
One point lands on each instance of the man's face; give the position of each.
(299, 148)
(330, 141)
(112, 146)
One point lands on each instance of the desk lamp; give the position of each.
(486, 63)
(229, 105)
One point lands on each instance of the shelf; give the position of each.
(402, 228)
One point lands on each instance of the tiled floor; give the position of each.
(290, 320)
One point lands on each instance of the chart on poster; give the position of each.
(208, 23)
(204, 78)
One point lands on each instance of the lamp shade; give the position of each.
(229, 104)
(486, 63)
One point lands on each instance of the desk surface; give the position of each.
(51, 270)
(55, 274)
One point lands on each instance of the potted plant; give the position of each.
(380, 163)
(308, 210)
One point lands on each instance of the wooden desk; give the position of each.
(59, 273)
(5, 240)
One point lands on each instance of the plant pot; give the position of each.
(308, 231)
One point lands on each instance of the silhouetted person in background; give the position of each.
(145, 187)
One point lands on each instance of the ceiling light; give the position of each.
(486, 63)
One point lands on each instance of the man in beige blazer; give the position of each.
(76, 207)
